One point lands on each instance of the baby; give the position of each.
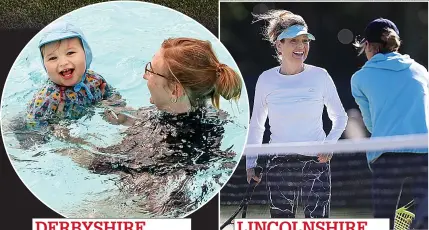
(71, 88)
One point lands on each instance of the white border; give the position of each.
(422, 140)
(175, 11)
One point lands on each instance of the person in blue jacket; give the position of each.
(392, 91)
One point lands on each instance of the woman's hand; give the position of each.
(117, 118)
(324, 158)
(252, 175)
(113, 117)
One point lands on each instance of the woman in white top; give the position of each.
(293, 96)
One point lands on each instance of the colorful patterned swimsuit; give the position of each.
(43, 108)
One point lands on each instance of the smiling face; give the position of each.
(159, 87)
(64, 61)
(294, 50)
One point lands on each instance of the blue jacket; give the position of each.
(392, 91)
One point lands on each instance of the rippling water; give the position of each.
(123, 37)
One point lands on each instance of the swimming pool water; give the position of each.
(123, 37)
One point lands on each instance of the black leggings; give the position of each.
(388, 173)
(292, 179)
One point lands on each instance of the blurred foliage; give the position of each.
(36, 14)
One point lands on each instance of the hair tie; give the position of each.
(219, 67)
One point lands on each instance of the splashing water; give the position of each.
(123, 37)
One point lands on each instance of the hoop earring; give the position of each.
(173, 100)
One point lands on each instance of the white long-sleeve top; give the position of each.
(294, 105)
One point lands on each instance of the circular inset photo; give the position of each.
(124, 109)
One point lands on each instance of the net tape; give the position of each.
(342, 146)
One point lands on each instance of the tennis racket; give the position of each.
(403, 217)
(244, 203)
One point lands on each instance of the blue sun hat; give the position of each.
(63, 30)
(295, 31)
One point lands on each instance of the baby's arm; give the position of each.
(40, 109)
(109, 93)
(115, 105)
(27, 138)
(44, 112)
(31, 128)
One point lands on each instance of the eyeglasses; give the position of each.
(148, 68)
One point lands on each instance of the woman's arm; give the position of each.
(362, 102)
(335, 110)
(63, 132)
(257, 121)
